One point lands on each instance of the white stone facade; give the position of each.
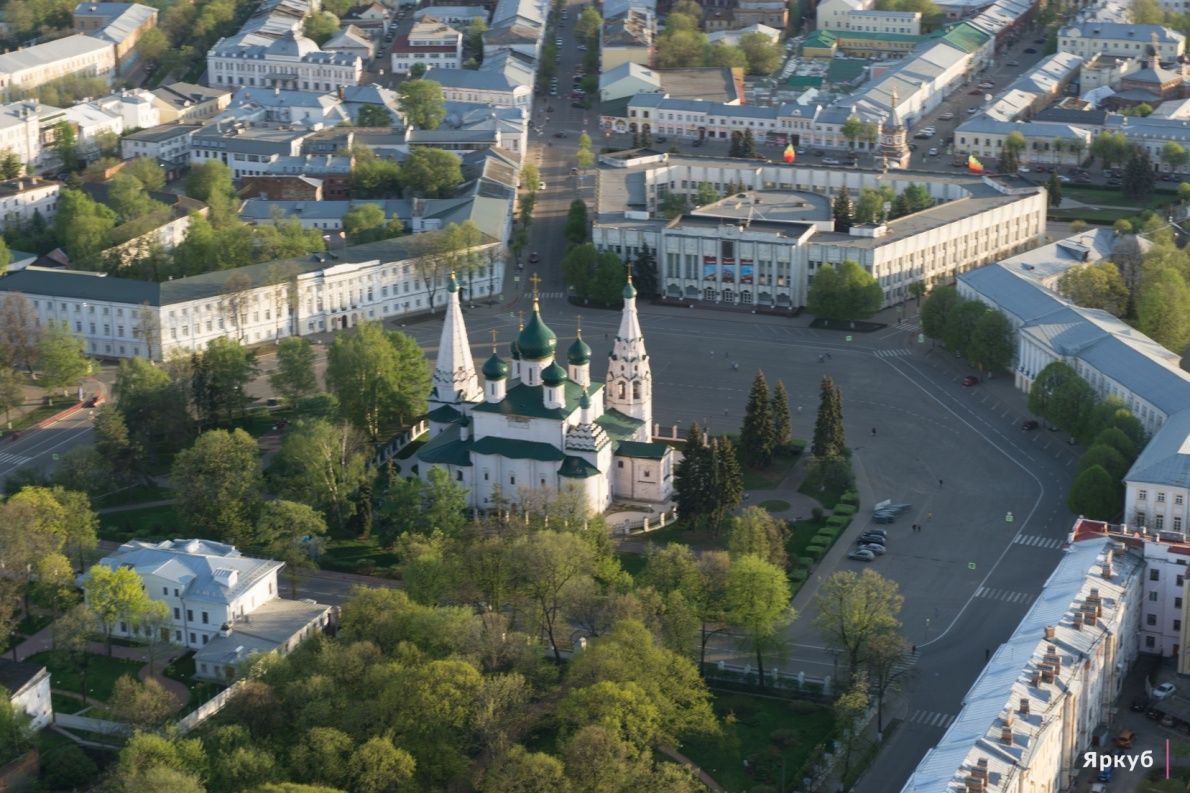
(21, 199)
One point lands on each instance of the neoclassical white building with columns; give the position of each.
(534, 425)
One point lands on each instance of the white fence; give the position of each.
(97, 726)
(391, 449)
(209, 708)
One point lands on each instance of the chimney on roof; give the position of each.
(1023, 709)
(1108, 558)
(1047, 673)
(1049, 631)
(1006, 730)
(1078, 620)
(1036, 681)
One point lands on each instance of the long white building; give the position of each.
(31, 67)
(763, 245)
(291, 62)
(1034, 707)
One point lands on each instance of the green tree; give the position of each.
(851, 130)
(82, 226)
(320, 27)
(1110, 148)
(10, 164)
(576, 222)
(673, 205)
(366, 223)
(545, 567)
(381, 379)
(1147, 12)
(1098, 285)
(828, 426)
(218, 485)
(762, 54)
(115, 595)
(208, 179)
(372, 177)
(585, 157)
(756, 433)
(841, 210)
(756, 532)
(154, 408)
(60, 357)
(681, 45)
(146, 170)
(421, 103)
(847, 293)
(588, 25)
(782, 427)
(65, 145)
(294, 376)
(727, 480)
(323, 756)
(1095, 494)
(990, 346)
(429, 171)
(220, 374)
(1107, 458)
(644, 273)
(758, 605)
(692, 477)
(961, 323)
(623, 709)
(1053, 189)
(141, 705)
(1138, 179)
(152, 44)
(322, 465)
(127, 196)
(853, 609)
(379, 767)
(1010, 152)
(12, 391)
(849, 709)
(1163, 307)
(522, 771)
(374, 116)
(293, 533)
(936, 311)
(918, 197)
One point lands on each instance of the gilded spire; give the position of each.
(493, 341)
(536, 281)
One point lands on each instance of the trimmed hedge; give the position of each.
(825, 537)
(843, 509)
(803, 562)
(850, 497)
(798, 575)
(815, 552)
(838, 521)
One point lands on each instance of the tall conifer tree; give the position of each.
(756, 433)
(828, 429)
(779, 421)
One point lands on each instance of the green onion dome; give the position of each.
(452, 285)
(536, 341)
(494, 368)
(629, 289)
(553, 375)
(579, 353)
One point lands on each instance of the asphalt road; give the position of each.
(38, 448)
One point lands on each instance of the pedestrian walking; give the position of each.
(929, 516)
(987, 654)
(913, 650)
(873, 432)
(939, 483)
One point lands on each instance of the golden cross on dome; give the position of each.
(578, 325)
(536, 281)
(493, 341)
(628, 267)
(521, 317)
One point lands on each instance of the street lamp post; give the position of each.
(927, 632)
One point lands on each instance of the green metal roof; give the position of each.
(804, 81)
(645, 451)
(445, 448)
(528, 401)
(845, 70)
(553, 374)
(494, 368)
(579, 352)
(618, 425)
(863, 35)
(966, 37)
(820, 39)
(518, 449)
(444, 414)
(577, 468)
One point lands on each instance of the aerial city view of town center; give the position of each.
(595, 396)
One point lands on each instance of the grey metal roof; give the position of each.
(40, 55)
(271, 625)
(1011, 293)
(204, 569)
(1166, 458)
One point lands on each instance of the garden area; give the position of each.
(98, 678)
(762, 738)
(182, 669)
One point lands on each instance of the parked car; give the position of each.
(1013, 63)
(933, 152)
(541, 185)
(534, 257)
(874, 547)
(861, 555)
(947, 116)
(1164, 691)
(874, 536)
(830, 161)
(884, 518)
(1030, 425)
(1030, 51)
(1138, 706)
(559, 134)
(972, 111)
(574, 171)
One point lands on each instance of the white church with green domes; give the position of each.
(535, 425)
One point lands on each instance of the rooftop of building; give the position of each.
(15, 675)
(204, 569)
(25, 184)
(1118, 30)
(268, 627)
(1165, 460)
(40, 55)
(1055, 637)
(773, 206)
(134, 17)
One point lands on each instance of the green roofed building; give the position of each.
(536, 425)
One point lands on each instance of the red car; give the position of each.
(970, 380)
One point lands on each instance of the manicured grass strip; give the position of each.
(102, 673)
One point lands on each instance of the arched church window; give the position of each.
(621, 392)
(636, 390)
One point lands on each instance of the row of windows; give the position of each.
(1155, 575)
(1151, 620)
(1158, 522)
(1143, 495)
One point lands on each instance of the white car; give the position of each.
(933, 152)
(829, 161)
(558, 42)
(947, 116)
(874, 547)
(861, 555)
(541, 185)
(1164, 691)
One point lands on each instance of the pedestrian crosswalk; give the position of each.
(1038, 542)
(552, 295)
(892, 353)
(1007, 595)
(16, 459)
(932, 718)
(906, 662)
(907, 324)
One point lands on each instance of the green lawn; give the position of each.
(182, 670)
(774, 505)
(799, 537)
(39, 414)
(147, 523)
(135, 494)
(763, 732)
(679, 532)
(64, 703)
(1102, 216)
(1112, 196)
(356, 556)
(102, 673)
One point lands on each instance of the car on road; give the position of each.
(534, 257)
(661, 139)
(1138, 706)
(1030, 425)
(1013, 63)
(1164, 691)
(558, 42)
(582, 48)
(987, 86)
(873, 535)
(972, 111)
(830, 161)
(884, 518)
(970, 380)
(1030, 51)
(933, 152)
(574, 171)
(861, 555)
(553, 90)
(874, 547)
(559, 134)
(541, 185)
(947, 116)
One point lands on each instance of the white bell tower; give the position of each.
(629, 377)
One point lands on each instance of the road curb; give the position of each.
(54, 419)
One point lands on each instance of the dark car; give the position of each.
(1030, 51)
(697, 142)
(1029, 425)
(1138, 706)
(886, 518)
(874, 535)
(661, 139)
(559, 134)
(534, 257)
(970, 380)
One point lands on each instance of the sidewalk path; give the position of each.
(703, 776)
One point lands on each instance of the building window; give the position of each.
(1178, 500)
(165, 591)
(1150, 642)
(512, 480)
(177, 613)
(1150, 619)
(1141, 495)
(1177, 625)
(1180, 580)
(177, 636)
(206, 618)
(190, 616)
(1154, 575)
(193, 640)
(1177, 523)
(1153, 596)
(1140, 519)
(175, 591)
(1160, 498)
(1177, 603)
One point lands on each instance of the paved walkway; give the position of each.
(43, 641)
(703, 776)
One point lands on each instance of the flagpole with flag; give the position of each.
(974, 165)
(790, 155)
